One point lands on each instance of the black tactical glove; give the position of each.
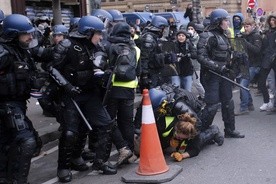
(170, 58)
(145, 82)
(223, 69)
(47, 31)
(71, 90)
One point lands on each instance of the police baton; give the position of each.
(82, 115)
(229, 80)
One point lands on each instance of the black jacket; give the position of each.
(184, 67)
(253, 43)
(269, 47)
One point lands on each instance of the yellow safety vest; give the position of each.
(232, 31)
(129, 84)
(168, 121)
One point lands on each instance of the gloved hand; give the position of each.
(47, 31)
(170, 58)
(223, 69)
(71, 90)
(177, 156)
(145, 82)
(98, 72)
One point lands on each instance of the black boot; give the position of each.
(232, 134)
(77, 162)
(64, 175)
(66, 143)
(228, 116)
(88, 155)
(103, 151)
(104, 167)
(211, 134)
(20, 160)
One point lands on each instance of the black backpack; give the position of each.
(125, 63)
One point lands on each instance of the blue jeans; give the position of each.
(245, 96)
(184, 82)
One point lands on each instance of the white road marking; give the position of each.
(54, 180)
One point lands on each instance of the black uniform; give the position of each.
(17, 135)
(214, 53)
(152, 59)
(74, 68)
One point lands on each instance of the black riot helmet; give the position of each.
(117, 15)
(102, 14)
(159, 22)
(60, 30)
(16, 24)
(88, 25)
(74, 22)
(218, 15)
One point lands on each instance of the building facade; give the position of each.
(82, 7)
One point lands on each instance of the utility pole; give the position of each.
(95, 4)
(196, 11)
(56, 12)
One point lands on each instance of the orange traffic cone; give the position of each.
(152, 160)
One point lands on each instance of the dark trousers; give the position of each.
(218, 90)
(123, 110)
(262, 82)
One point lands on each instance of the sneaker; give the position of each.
(132, 159)
(124, 154)
(241, 112)
(266, 106)
(271, 96)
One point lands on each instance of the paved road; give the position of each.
(251, 160)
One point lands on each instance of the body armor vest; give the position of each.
(16, 80)
(79, 71)
(221, 53)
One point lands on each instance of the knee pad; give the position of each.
(28, 147)
(69, 138)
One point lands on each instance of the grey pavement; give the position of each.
(47, 127)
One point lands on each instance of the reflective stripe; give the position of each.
(147, 115)
(129, 84)
(168, 121)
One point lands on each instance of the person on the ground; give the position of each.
(18, 138)
(182, 122)
(214, 55)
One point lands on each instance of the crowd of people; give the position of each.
(87, 76)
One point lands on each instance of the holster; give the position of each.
(15, 118)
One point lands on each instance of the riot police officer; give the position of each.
(152, 58)
(18, 138)
(73, 69)
(214, 54)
